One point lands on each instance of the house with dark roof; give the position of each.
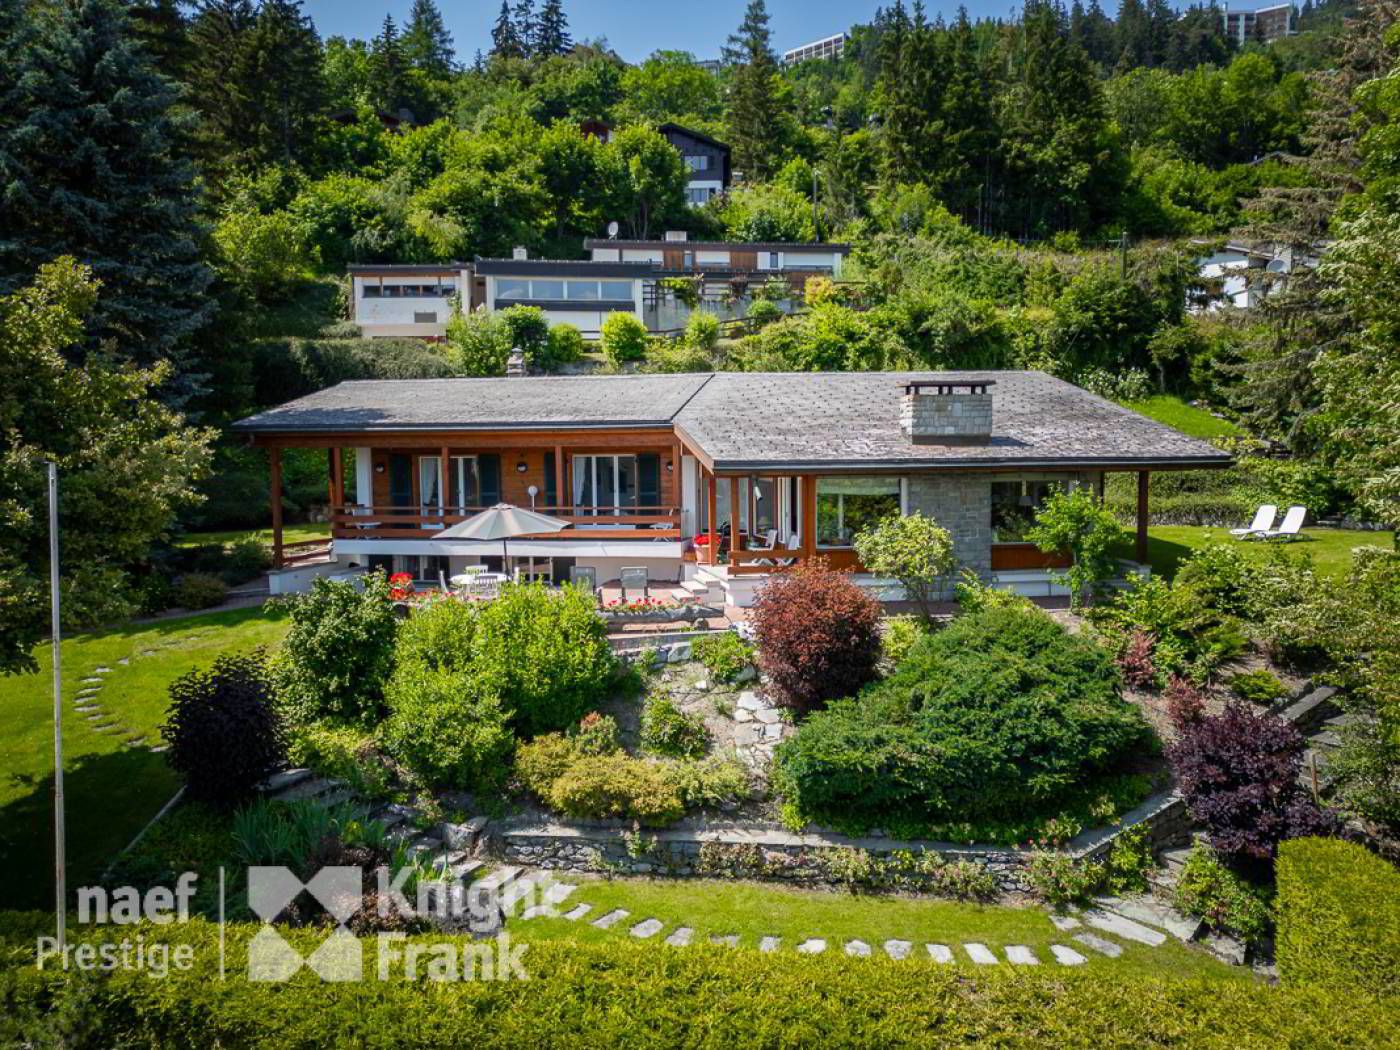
(709, 482)
(706, 162)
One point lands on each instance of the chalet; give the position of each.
(706, 161)
(710, 482)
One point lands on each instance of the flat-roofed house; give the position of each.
(406, 301)
(713, 482)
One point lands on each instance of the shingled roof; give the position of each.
(780, 420)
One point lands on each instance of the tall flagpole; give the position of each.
(60, 868)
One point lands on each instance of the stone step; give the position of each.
(578, 911)
(1121, 926)
(769, 944)
(1311, 709)
(284, 779)
(497, 879)
(680, 594)
(1020, 955)
(679, 937)
(1067, 956)
(813, 946)
(311, 787)
(1103, 947)
(897, 949)
(695, 586)
(646, 928)
(980, 954)
(612, 918)
(859, 949)
(725, 940)
(1148, 911)
(940, 953)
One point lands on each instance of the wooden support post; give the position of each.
(809, 516)
(444, 479)
(677, 476)
(561, 491)
(711, 525)
(274, 455)
(1144, 484)
(337, 480)
(736, 534)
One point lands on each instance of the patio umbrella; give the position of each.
(501, 522)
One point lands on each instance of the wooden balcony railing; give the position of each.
(354, 522)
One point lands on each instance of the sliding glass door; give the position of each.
(605, 484)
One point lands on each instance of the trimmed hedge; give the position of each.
(627, 994)
(1338, 911)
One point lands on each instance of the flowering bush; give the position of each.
(638, 606)
(401, 586)
(818, 636)
(1238, 771)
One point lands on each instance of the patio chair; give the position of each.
(1263, 522)
(1291, 527)
(793, 543)
(632, 577)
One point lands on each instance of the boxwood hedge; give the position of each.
(999, 713)
(628, 994)
(1338, 917)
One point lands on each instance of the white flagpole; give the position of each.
(60, 867)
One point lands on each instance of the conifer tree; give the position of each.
(755, 110)
(426, 43)
(552, 30)
(505, 42)
(218, 39)
(387, 68)
(526, 30)
(92, 143)
(281, 76)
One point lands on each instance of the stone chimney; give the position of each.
(942, 412)
(519, 253)
(515, 363)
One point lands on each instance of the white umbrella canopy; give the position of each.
(501, 522)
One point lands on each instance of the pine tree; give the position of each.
(386, 68)
(969, 135)
(218, 40)
(161, 28)
(91, 138)
(1134, 36)
(505, 42)
(552, 31)
(280, 74)
(526, 31)
(755, 114)
(426, 43)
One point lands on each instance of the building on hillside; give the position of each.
(827, 47)
(706, 162)
(407, 301)
(579, 292)
(1231, 275)
(1265, 24)
(708, 484)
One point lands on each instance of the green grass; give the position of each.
(1330, 549)
(1175, 412)
(111, 790)
(290, 534)
(754, 910)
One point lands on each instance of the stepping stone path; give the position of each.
(728, 940)
(680, 937)
(813, 947)
(1103, 947)
(940, 953)
(898, 949)
(1020, 955)
(1123, 927)
(769, 944)
(762, 728)
(611, 918)
(859, 949)
(646, 928)
(980, 954)
(1067, 956)
(1065, 923)
(578, 912)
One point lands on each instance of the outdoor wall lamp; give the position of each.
(521, 467)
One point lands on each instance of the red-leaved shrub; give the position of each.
(1135, 661)
(1238, 771)
(1185, 703)
(818, 636)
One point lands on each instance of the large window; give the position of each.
(465, 484)
(847, 505)
(1015, 503)
(605, 484)
(698, 163)
(407, 291)
(555, 290)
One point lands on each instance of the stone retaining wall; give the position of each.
(709, 849)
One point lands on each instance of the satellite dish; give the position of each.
(612, 229)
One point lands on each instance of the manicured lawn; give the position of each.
(111, 789)
(754, 911)
(1330, 549)
(290, 534)
(1175, 412)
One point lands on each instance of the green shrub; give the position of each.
(898, 635)
(1258, 687)
(1079, 524)
(444, 730)
(197, 590)
(1338, 911)
(677, 356)
(1221, 575)
(624, 338)
(1128, 862)
(702, 331)
(725, 655)
(339, 649)
(761, 313)
(910, 548)
(1227, 903)
(998, 715)
(616, 785)
(973, 595)
(545, 653)
(565, 344)
(527, 330)
(344, 751)
(669, 731)
(596, 735)
(1060, 881)
(747, 995)
(244, 559)
(1189, 637)
(438, 634)
(712, 782)
(478, 343)
(542, 761)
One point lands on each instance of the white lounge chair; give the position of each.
(1291, 527)
(1263, 522)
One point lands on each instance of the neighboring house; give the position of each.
(1231, 275)
(706, 162)
(569, 291)
(827, 47)
(780, 468)
(413, 302)
(1266, 24)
